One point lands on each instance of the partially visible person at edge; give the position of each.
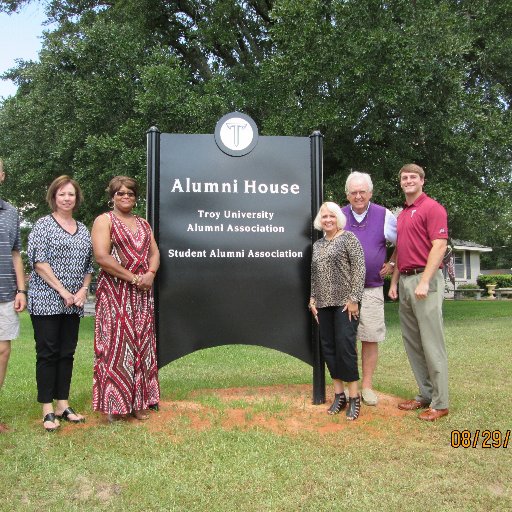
(419, 284)
(373, 226)
(60, 254)
(12, 282)
(337, 281)
(125, 365)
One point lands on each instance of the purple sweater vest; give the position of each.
(370, 233)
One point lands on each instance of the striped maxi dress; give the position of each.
(125, 366)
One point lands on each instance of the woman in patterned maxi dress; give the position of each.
(125, 367)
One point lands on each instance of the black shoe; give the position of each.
(50, 417)
(65, 416)
(340, 402)
(153, 407)
(354, 407)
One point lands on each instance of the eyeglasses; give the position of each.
(355, 193)
(122, 194)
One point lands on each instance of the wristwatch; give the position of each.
(21, 291)
(392, 263)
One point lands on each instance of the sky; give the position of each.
(20, 38)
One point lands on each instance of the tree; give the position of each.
(395, 82)
(109, 72)
(386, 83)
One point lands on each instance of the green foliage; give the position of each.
(385, 82)
(388, 85)
(500, 280)
(466, 286)
(106, 75)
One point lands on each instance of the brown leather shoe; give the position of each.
(433, 414)
(412, 405)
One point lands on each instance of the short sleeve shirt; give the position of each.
(70, 258)
(419, 224)
(9, 241)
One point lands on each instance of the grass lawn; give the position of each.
(203, 452)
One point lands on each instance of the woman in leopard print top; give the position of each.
(337, 282)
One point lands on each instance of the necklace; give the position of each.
(329, 240)
(129, 221)
(65, 223)
(123, 217)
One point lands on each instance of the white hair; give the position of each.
(341, 220)
(360, 176)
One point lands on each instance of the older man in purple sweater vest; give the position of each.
(373, 225)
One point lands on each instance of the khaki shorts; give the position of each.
(371, 318)
(9, 322)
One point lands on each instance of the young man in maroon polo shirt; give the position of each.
(422, 234)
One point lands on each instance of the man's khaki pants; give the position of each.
(421, 322)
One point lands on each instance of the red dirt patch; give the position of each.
(280, 409)
(285, 410)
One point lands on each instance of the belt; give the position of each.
(412, 271)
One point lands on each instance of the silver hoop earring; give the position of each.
(110, 204)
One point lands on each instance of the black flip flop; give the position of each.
(65, 416)
(50, 417)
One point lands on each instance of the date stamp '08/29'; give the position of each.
(485, 438)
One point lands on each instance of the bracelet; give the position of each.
(135, 279)
(84, 288)
(392, 263)
(21, 291)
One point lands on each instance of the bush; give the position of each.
(501, 280)
(468, 286)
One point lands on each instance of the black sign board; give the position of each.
(232, 217)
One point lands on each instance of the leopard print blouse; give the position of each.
(337, 271)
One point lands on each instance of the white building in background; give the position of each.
(467, 260)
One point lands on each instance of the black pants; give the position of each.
(56, 337)
(338, 340)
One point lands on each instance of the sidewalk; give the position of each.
(89, 308)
